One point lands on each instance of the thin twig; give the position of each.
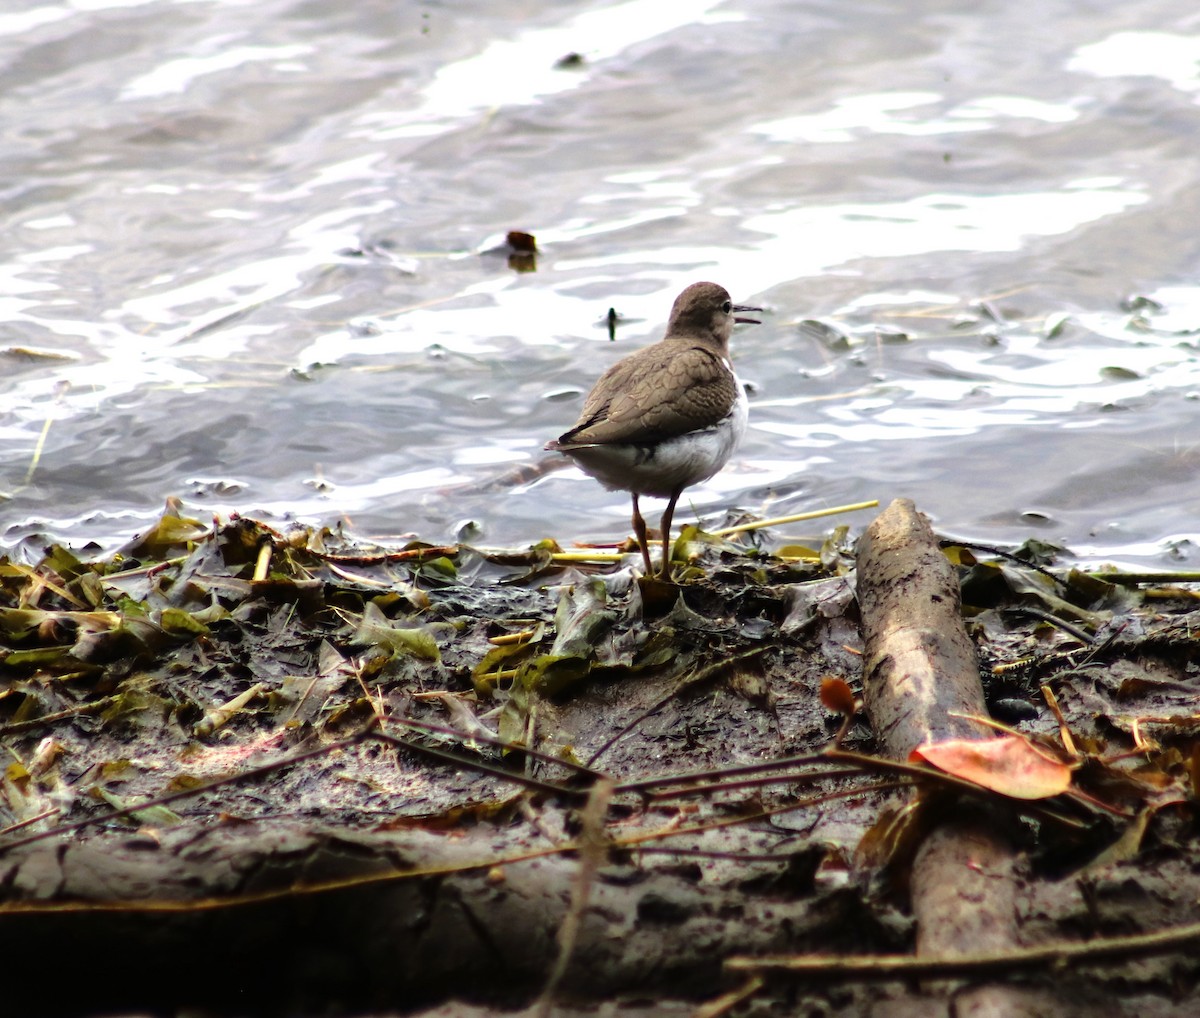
(839, 968)
(1036, 613)
(1001, 553)
(593, 845)
(922, 772)
(779, 521)
(1133, 579)
(727, 1001)
(28, 821)
(262, 565)
(641, 785)
(49, 584)
(788, 777)
(1064, 730)
(480, 766)
(493, 740)
(91, 707)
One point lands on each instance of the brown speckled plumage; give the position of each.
(678, 385)
(666, 416)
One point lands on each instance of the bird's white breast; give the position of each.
(665, 467)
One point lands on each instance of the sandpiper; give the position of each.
(667, 416)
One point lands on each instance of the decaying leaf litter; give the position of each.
(223, 718)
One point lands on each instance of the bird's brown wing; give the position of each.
(643, 399)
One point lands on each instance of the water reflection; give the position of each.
(247, 259)
(1175, 58)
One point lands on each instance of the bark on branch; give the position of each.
(919, 672)
(919, 665)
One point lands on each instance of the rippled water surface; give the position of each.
(249, 259)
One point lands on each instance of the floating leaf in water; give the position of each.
(522, 248)
(1119, 374)
(829, 337)
(519, 240)
(1056, 324)
(29, 353)
(1140, 302)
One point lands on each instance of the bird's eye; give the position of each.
(727, 306)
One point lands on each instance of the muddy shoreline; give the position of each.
(327, 779)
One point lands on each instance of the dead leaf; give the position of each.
(1011, 765)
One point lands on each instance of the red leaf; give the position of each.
(1011, 765)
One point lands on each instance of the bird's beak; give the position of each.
(746, 321)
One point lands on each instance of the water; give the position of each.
(248, 259)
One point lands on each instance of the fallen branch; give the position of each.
(836, 968)
(921, 685)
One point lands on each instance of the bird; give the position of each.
(667, 416)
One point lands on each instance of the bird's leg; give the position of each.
(639, 528)
(667, 515)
